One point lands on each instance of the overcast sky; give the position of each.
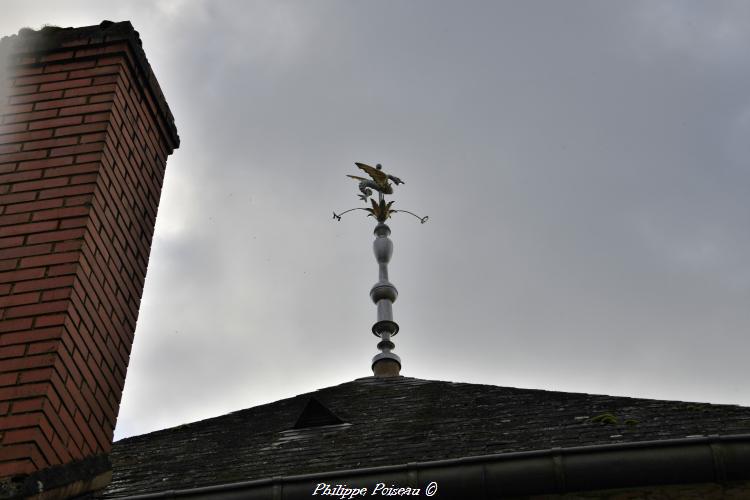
(585, 167)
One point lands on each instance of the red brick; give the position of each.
(66, 246)
(88, 435)
(4, 169)
(7, 220)
(31, 436)
(19, 299)
(34, 227)
(27, 405)
(56, 122)
(61, 451)
(27, 117)
(12, 326)
(25, 136)
(34, 206)
(76, 150)
(83, 179)
(7, 379)
(99, 137)
(23, 274)
(97, 117)
(19, 177)
(107, 88)
(38, 375)
(11, 242)
(67, 84)
(39, 184)
(82, 129)
(89, 157)
(82, 408)
(16, 468)
(26, 155)
(88, 108)
(42, 347)
(68, 328)
(80, 168)
(10, 148)
(12, 351)
(72, 428)
(50, 143)
(54, 77)
(9, 199)
(59, 294)
(44, 284)
(73, 201)
(60, 103)
(68, 234)
(97, 51)
(51, 412)
(8, 264)
(29, 336)
(60, 213)
(100, 80)
(21, 89)
(23, 251)
(54, 319)
(74, 223)
(67, 191)
(49, 259)
(99, 70)
(29, 70)
(10, 452)
(36, 309)
(101, 98)
(15, 127)
(56, 56)
(69, 66)
(62, 269)
(18, 108)
(45, 163)
(18, 392)
(39, 96)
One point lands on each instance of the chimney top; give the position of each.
(91, 41)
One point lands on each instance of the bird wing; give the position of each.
(355, 177)
(377, 175)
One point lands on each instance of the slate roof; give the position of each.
(397, 421)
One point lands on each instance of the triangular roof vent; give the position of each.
(316, 415)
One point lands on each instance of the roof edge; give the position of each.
(711, 459)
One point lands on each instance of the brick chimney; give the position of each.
(84, 139)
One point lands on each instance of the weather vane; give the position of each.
(383, 293)
(379, 182)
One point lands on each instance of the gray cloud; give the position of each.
(584, 166)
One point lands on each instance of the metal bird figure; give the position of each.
(378, 182)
